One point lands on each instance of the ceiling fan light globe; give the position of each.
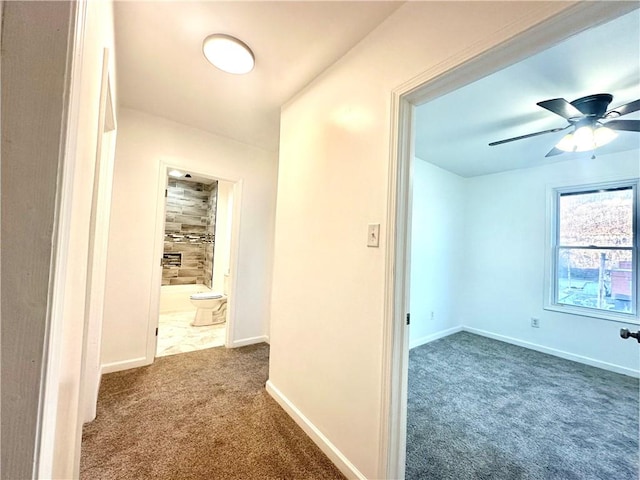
(584, 139)
(603, 135)
(567, 143)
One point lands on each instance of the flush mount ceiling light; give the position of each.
(176, 173)
(228, 53)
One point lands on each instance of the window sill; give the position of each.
(601, 314)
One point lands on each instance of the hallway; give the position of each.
(198, 415)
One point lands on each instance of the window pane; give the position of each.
(602, 218)
(595, 279)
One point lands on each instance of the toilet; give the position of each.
(211, 308)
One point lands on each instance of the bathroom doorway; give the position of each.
(196, 255)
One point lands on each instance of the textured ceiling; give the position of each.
(453, 131)
(161, 69)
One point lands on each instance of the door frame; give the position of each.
(156, 274)
(468, 66)
(98, 241)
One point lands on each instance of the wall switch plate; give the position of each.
(535, 322)
(373, 235)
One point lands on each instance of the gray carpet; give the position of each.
(199, 415)
(483, 409)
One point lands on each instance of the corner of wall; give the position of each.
(314, 433)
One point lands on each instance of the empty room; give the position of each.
(523, 361)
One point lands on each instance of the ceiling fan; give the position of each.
(586, 116)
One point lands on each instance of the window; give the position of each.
(595, 251)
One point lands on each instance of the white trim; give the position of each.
(314, 433)
(435, 336)
(44, 454)
(143, 361)
(98, 246)
(250, 341)
(553, 192)
(478, 60)
(556, 353)
(607, 315)
(123, 365)
(156, 268)
(234, 261)
(395, 354)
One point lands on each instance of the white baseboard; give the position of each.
(249, 341)
(558, 353)
(329, 449)
(142, 361)
(434, 336)
(123, 365)
(91, 404)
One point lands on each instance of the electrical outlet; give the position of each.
(535, 322)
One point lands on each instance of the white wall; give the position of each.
(64, 409)
(144, 141)
(437, 241)
(504, 260)
(222, 250)
(327, 318)
(34, 49)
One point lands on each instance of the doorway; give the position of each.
(196, 241)
(195, 264)
(422, 91)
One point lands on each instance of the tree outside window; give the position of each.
(595, 245)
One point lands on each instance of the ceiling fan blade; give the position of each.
(624, 109)
(627, 125)
(500, 142)
(554, 151)
(561, 107)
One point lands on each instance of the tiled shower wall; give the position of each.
(189, 231)
(211, 230)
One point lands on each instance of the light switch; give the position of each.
(373, 235)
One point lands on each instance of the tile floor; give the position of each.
(176, 335)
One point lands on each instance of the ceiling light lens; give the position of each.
(228, 54)
(603, 135)
(175, 173)
(567, 143)
(586, 138)
(583, 138)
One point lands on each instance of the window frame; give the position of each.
(553, 247)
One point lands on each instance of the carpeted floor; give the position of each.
(483, 409)
(199, 415)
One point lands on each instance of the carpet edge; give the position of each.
(555, 352)
(327, 447)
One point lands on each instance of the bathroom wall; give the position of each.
(209, 248)
(190, 218)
